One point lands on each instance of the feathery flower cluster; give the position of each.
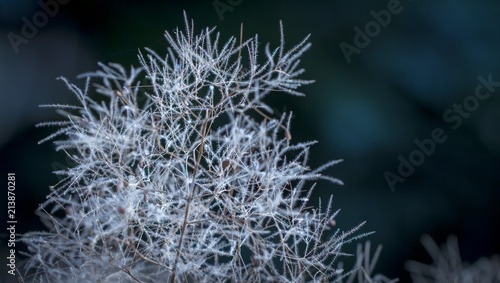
(447, 265)
(364, 267)
(186, 178)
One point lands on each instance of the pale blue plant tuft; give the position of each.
(447, 265)
(186, 178)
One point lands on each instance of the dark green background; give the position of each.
(367, 112)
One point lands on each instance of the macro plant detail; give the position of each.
(187, 178)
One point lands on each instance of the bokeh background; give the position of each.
(367, 111)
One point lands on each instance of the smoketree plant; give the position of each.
(447, 265)
(189, 177)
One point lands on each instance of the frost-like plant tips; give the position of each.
(186, 178)
(447, 265)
